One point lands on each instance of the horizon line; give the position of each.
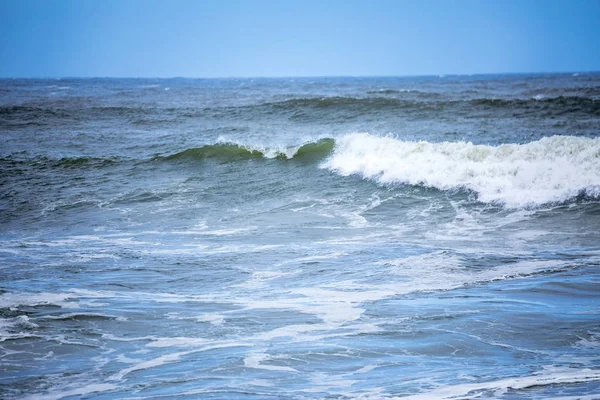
(440, 75)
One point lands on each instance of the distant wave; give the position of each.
(560, 101)
(388, 91)
(553, 169)
(399, 91)
(31, 111)
(228, 151)
(334, 101)
(309, 108)
(304, 108)
(64, 162)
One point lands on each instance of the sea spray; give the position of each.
(552, 169)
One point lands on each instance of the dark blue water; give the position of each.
(341, 238)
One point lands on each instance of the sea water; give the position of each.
(300, 238)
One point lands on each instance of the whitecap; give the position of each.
(551, 170)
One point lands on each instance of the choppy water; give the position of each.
(434, 237)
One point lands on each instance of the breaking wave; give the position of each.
(229, 151)
(552, 170)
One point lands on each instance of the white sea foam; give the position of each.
(441, 271)
(548, 376)
(227, 232)
(82, 315)
(61, 394)
(212, 318)
(11, 300)
(14, 328)
(553, 169)
(158, 361)
(215, 319)
(255, 360)
(322, 382)
(258, 279)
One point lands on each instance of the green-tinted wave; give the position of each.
(315, 150)
(221, 151)
(235, 152)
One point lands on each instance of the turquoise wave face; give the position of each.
(332, 238)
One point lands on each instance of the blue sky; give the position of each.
(224, 38)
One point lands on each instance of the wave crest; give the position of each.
(229, 151)
(553, 169)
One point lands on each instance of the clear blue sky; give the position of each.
(224, 38)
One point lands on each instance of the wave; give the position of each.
(300, 108)
(65, 162)
(566, 101)
(319, 102)
(389, 91)
(351, 107)
(335, 102)
(222, 150)
(230, 151)
(552, 170)
(385, 91)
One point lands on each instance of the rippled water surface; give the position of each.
(372, 238)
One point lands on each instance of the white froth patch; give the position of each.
(21, 321)
(9, 300)
(553, 169)
(10, 251)
(158, 361)
(441, 271)
(254, 360)
(178, 342)
(548, 376)
(259, 278)
(17, 327)
(367, 368)
(126, 360)
(259, 382)
(214, 319)
(316, 257)
(322, 382)
(61, 394)
(592, 342)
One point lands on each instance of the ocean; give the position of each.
(300, 238)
